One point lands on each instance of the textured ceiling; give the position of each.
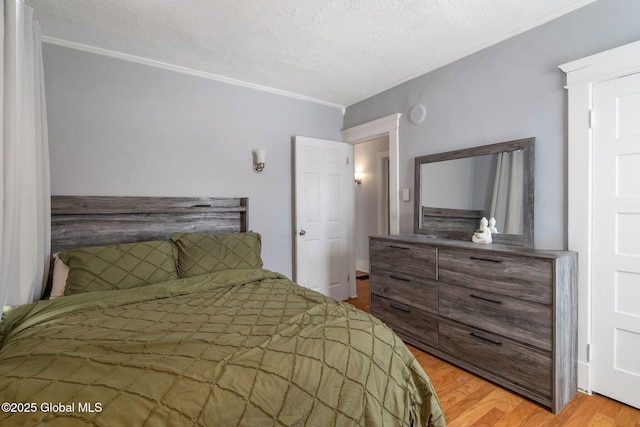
(334, 51)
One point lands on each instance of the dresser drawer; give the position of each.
(517, 363)
(411, 290)
(510, 317)
(523, 277)
(406, 321)
(408, 258)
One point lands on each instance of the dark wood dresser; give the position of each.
(505, 313)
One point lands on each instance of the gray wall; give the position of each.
(509, 91)
(448, 185)
(119, 128)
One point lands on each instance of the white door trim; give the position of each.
(582, 74)
(389, 125)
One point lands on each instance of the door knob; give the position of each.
(302, 232)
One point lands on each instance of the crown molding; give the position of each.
(184, 70)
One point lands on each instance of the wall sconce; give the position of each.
(259, 160)
(359, 175)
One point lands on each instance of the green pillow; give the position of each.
(201, 254)
(101, 268)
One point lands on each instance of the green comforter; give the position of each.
(234, 348)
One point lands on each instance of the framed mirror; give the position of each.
(454, 190)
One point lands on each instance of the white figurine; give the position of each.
(483, 234)
(492, 226)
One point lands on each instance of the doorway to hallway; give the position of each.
(371, 164)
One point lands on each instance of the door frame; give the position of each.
(582, 74)
(384, 126)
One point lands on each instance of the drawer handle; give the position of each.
(498, 343)
(485, 299)
(404, 279)
(475, 258)
(399, 247)
(400, 308)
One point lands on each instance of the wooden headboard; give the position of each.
(450, 223)
(81, 221)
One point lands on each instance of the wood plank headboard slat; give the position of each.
(81, 221)
(85, 205)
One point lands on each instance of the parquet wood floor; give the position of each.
(470, 401)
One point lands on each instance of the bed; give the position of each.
(213, 339)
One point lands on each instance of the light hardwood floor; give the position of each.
(469, 400)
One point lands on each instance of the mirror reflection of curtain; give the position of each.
(507, 198)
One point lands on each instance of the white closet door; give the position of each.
(616, 239)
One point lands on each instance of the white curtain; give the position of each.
(25, 215)
(507, 200)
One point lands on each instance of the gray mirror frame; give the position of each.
(528, 146)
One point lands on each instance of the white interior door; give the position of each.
(616, 239)
(323, 212)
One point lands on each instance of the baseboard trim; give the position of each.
(584, 384)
